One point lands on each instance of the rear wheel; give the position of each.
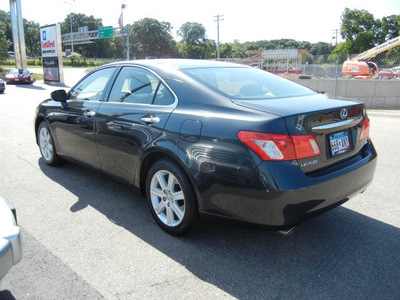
(171, 198)
(46, 145)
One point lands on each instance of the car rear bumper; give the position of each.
(280, 195)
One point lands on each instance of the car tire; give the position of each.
(394, 77)
(171, 198)
(46, 145)
(379, 76)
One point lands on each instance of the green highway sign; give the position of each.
(106, 32)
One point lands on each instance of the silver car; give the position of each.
(10, 238)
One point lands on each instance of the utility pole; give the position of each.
(337, 60)
(335, 32)
(218, 18)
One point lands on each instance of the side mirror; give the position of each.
(59, 95)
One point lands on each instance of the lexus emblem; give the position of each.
(344, 113)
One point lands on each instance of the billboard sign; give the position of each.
(280, 53)
(48, 41)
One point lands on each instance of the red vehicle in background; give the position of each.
(388, 73)
(19, 76)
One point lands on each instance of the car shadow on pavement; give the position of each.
(339, 255)
(29, 86)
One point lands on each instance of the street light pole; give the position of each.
(127, 31)
(72, 40)
(70, 25)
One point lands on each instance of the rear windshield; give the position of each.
(247, 83)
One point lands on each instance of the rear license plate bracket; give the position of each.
(339, 143)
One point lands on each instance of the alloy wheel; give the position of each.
(167, 198)
(45, 143)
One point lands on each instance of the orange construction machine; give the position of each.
(358, 67)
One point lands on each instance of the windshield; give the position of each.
(19, 71)
(247, 83)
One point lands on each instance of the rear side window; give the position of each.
(136, 85)
(247, 83)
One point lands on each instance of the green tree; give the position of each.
(321, 48)
(194, 42)
(5, 27)
(192, 33)
(390, 27)
(360, 30)
(4, 46)
(150, 37)
(32, 38)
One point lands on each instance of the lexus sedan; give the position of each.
(19, 76)
(211, 138)
(10, 238)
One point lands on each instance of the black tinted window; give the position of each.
(136, 85)
(92, 87)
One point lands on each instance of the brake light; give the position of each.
(280, 146)
(364, 130)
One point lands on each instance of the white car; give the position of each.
(10, 238)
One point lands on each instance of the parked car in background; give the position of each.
(2, 86)
(19, 76)
(388, 73)
(212, 138)
(10, 238)
(397, 70)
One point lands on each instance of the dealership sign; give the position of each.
(48, 41)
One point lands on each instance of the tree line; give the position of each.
(150, 37)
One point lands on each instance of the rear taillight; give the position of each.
(269, 146)
(364, 130)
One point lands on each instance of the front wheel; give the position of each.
(171, 198)
(46, 145)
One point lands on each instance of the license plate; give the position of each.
(339, 143)
(16, 79)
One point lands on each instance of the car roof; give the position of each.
(180, 64)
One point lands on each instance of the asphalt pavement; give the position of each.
(87, 236)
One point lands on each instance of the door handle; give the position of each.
(89, 113)
(151, 120)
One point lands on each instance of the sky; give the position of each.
(302, 20)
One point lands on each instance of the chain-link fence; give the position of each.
(376, 82)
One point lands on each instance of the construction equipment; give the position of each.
(359, 66)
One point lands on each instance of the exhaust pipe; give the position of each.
(287, 232)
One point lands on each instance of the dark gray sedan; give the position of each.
(212, 138)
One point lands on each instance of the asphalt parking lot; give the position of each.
(87, 236)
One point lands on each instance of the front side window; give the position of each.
(136, 85)
(92, 87)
